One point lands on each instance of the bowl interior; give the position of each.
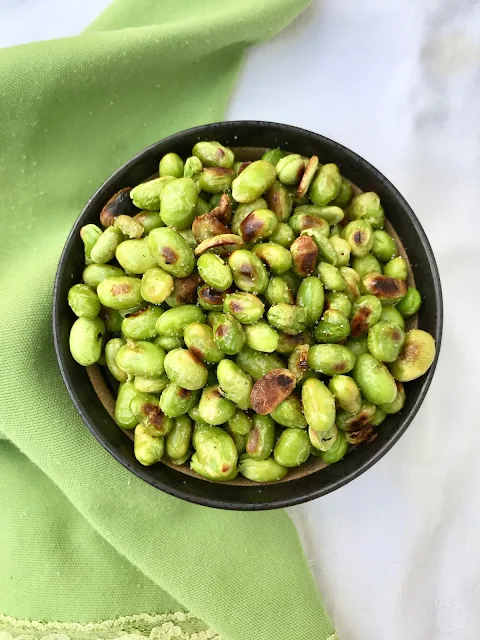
(92, 394)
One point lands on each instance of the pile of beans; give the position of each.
(253, 313)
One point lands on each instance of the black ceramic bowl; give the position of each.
(300, 489)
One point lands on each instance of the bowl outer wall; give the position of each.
(361, 173)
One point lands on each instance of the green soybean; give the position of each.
(86, 340)
(410, 303)
(111, 350)
(171, 252)
(261, 437)
(256, 363)
(175, 401)
(173, 322)
(310, 296)
(184, 368)
(292, 448)
(261, 337)
(141, 324)
(214, 271)
(177, 442)
(375, 382)
(318, 405)
(330, 359)
(214, 408)
(141, 359)
(228, 334)
(199, 339)
(83, 301)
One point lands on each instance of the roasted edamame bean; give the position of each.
(175, 401)
(292, 447)
(249, 273)
(141, 358)
(171, 252)
(310, 296)
(199, 339)
(234, 384)
(346, 393)
(415, 358)
(120, 292)
(147, 194)
(94, 274)
(288, 318)
(318, 405)
(147, 448)
(289, 413)
(123, 414)
(256, 363)
(86, 340)
(215, 456)
(277, 259)
(184, 368)
(410, 303)
(336, 451)
(279, 201)
(174, 321)
(140, 325)
(177, 442)
(83, 301)
(261, 337)
(214, 271)
(326, 185)
(330, 359)
(375, 382)
(111, 349)
(257, 178)
(366, 206)
(262, 471)
(333, 327)
(228, 334)
(385, 340)
(146, 410)
(261, 437)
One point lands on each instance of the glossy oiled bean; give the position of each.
(330, 359)
(171, 252)
(318, 405)
(416, 356)
(184, 368)
(374, 380)
(292, 447)
(261, 437)
(234, 383)
(228, 334)
(199, 339)
(174, 321)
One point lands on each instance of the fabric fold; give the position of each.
(74, 110)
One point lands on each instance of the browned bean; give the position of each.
(229, 240)
(208, 225)
(305, 253)
(385, 288)
(268, 392)
(119, 204)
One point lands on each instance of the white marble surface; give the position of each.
(396, 553)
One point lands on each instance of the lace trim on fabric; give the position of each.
(174, 626)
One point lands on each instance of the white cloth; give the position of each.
(396, 553)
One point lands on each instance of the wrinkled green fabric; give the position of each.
(81, 538)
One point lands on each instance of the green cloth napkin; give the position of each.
(81, 538)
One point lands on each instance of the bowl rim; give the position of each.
(207, 131)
